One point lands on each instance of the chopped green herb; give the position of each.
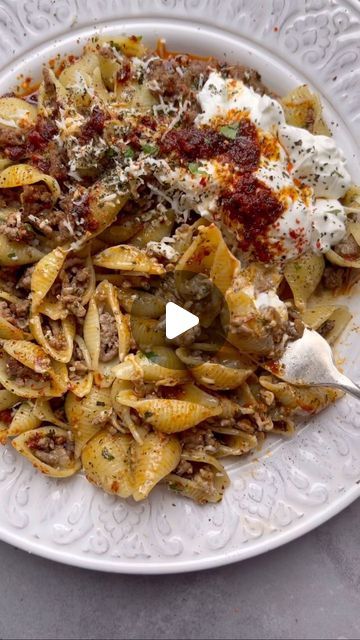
(111, 152)
(175, 487)
(129, 152)
(106, 454)
(195, 168)
(229, 131)
(150, 149)
(11, 255)
(148, 414)
(100, 404)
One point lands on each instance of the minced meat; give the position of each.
(109, 340)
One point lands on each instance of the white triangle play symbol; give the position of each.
(178, 320)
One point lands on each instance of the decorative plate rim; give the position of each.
(291, 489)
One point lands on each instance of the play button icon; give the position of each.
(178, 320)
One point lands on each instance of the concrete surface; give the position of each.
(307, 589)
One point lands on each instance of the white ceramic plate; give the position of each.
(291, 486)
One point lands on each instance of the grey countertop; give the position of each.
(307, 589)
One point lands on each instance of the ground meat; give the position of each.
(23, 376)
(109, 340)
(13, 143)
(164, 78)
(348, 248)
(93, 126)
(53, 450)
(24, 281)
(75, 280)
(334, 277)
(54, 335)
(16, 313)
(52, 162)
(8, 279)
(185, 468)
(326, 327)
(16, 230)
(77, 365)
(10, 198)
(200, 438)
(36, 199)
(247, 75)
(196, 288)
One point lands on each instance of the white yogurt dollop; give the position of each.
(271, 299)
(329, 224)
(317, 161)
(220, 95)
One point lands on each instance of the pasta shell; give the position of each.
(43, 378)
(9, 330)
(16, 254)
(303, 109)
(303, 276)
(18, 175)
(329, 320)
(208, 483)
(154, 230)
(8, 399)
(141, 303)
(44, 412)
(16, 113)
(80, 382)
(24, 420)
(88, 415)
(60, 332)
(147, 333)
(161, 366)
(353, 229)
(50, 450)
(228, 370)
(152, 461)
(122, 230)
(45, 274)
(188, 407)
(105, 301)
(46, 98)
(106, 461)
(237, 444)
(128, 258)
(302, 400)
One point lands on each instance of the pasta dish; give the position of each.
(130, 178)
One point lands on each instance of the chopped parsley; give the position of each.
(148, 415)
(229, 131)
(111, 152)
(195, 168)
(129, 152)
(100, 404)
(12, 256)
(106, 454)
(150, 149)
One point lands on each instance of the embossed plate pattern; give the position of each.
(291, 486)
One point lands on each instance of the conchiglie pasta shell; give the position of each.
(227, 372)
(45, 102)
(303, 276)
(44, 412)
(15, 254)
(238, 444)
(128, 258)
(173, 415)
(152, 461)
(104, 206)
(147, 333)
(130, 46)
(9, 331)
(82, 414)
(82, 386)
(195, 488)
(67, 330)
(315, 317)
(20, 443)
(141, 303)
(302, 400)
(106, 461)
(121, 231)
(8, 399)
(18, 175)
(154, 230)
(353, 229)
(35, 358)
(303, 109)
(45, 274)
(163, 367)
(18, 112)
(24, 420)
